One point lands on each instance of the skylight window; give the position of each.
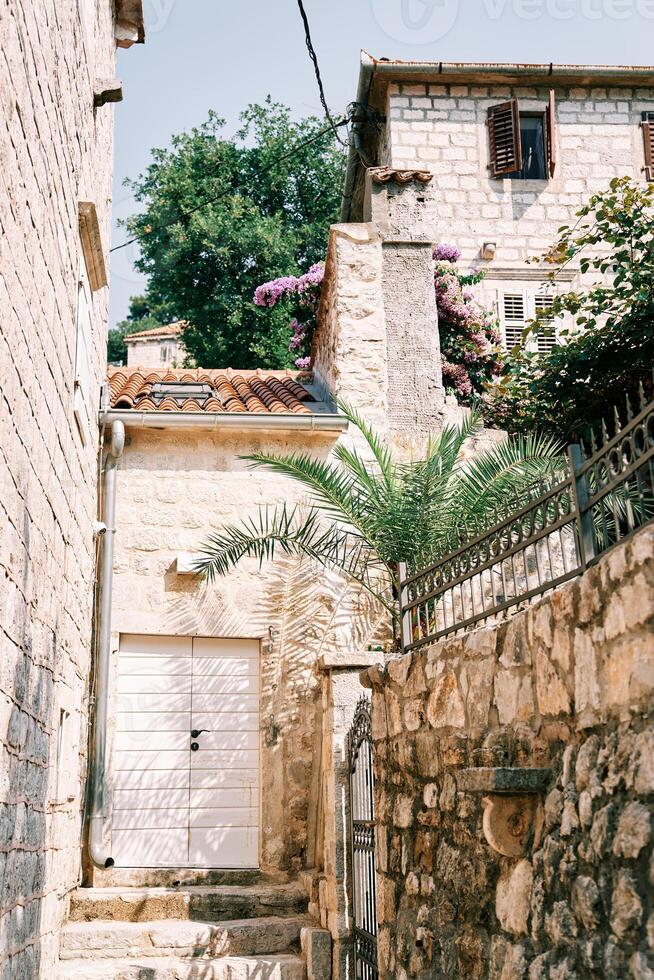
(181, 390)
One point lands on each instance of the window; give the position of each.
(164, 354)
(522, 144)
(648, 144)
(179, 391)
(82, 391)
(517, 308)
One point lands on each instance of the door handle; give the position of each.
(196, 732)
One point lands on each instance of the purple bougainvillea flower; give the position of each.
(303, 363)
(446, 252)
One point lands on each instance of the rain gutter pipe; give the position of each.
(97, 850)
(315, 422)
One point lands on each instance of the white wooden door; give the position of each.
(182, 799)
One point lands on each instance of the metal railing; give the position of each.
(550, 534)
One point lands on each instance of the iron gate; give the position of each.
(362, 843)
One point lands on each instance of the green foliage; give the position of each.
(364, 517)
(265, 220)
(611, 345)
(139, 317)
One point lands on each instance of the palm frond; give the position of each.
(331, 489)
(498, 475)
(375, 443)
(285, 529)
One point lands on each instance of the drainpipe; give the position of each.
(97, 852)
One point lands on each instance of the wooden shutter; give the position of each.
(504, 137)
(513, 311)
(550, 126)
(542, 305)
(648, 144)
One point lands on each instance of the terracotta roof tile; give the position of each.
(168, 330)
(247, 392)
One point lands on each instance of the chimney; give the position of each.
(377, 343)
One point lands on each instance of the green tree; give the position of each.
(266, 218)
(610, 347)
(139, 317)
(364, 518)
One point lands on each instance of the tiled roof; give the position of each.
(169, 330)
(252, 392)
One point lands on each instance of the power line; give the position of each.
(316, 68)
(334, 125)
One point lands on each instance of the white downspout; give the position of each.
(97, 851)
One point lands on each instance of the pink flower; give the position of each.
(446, 252)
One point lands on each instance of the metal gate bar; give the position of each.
(362, 843)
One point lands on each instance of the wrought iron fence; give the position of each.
(362, 843)
(547, 536)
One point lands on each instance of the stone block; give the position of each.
(513, 898)
(445, 706)
(316, 947)
(633, 831)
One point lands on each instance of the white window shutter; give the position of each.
(542, 303)
(513, 316)
(82, 395)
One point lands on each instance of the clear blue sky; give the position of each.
(202, 54)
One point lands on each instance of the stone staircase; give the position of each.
(183, 931)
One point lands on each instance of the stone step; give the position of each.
(174, 877)
(281, 967)
(201, 903)
(181, 938)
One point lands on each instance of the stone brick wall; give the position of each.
(150, 353)
(55, 151)
(566, 685)
(443, 128)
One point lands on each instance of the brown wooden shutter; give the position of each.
(550, 120)
(648, 144)
(504, 136)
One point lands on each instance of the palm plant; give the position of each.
(365, 517)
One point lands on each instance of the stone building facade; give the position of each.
(577, 128)
(56, 147)
(157, 347)
(476, 882)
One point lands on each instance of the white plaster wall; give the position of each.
(173, 489)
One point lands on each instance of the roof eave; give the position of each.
(495, 71)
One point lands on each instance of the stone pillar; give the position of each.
(341, 692)
(395, 208)
(415, 384)
(376, 345)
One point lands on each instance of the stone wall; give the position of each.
(55, 151)
(566, 685)
(443, 128)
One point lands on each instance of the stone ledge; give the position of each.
(355, 660)
(503, 780)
